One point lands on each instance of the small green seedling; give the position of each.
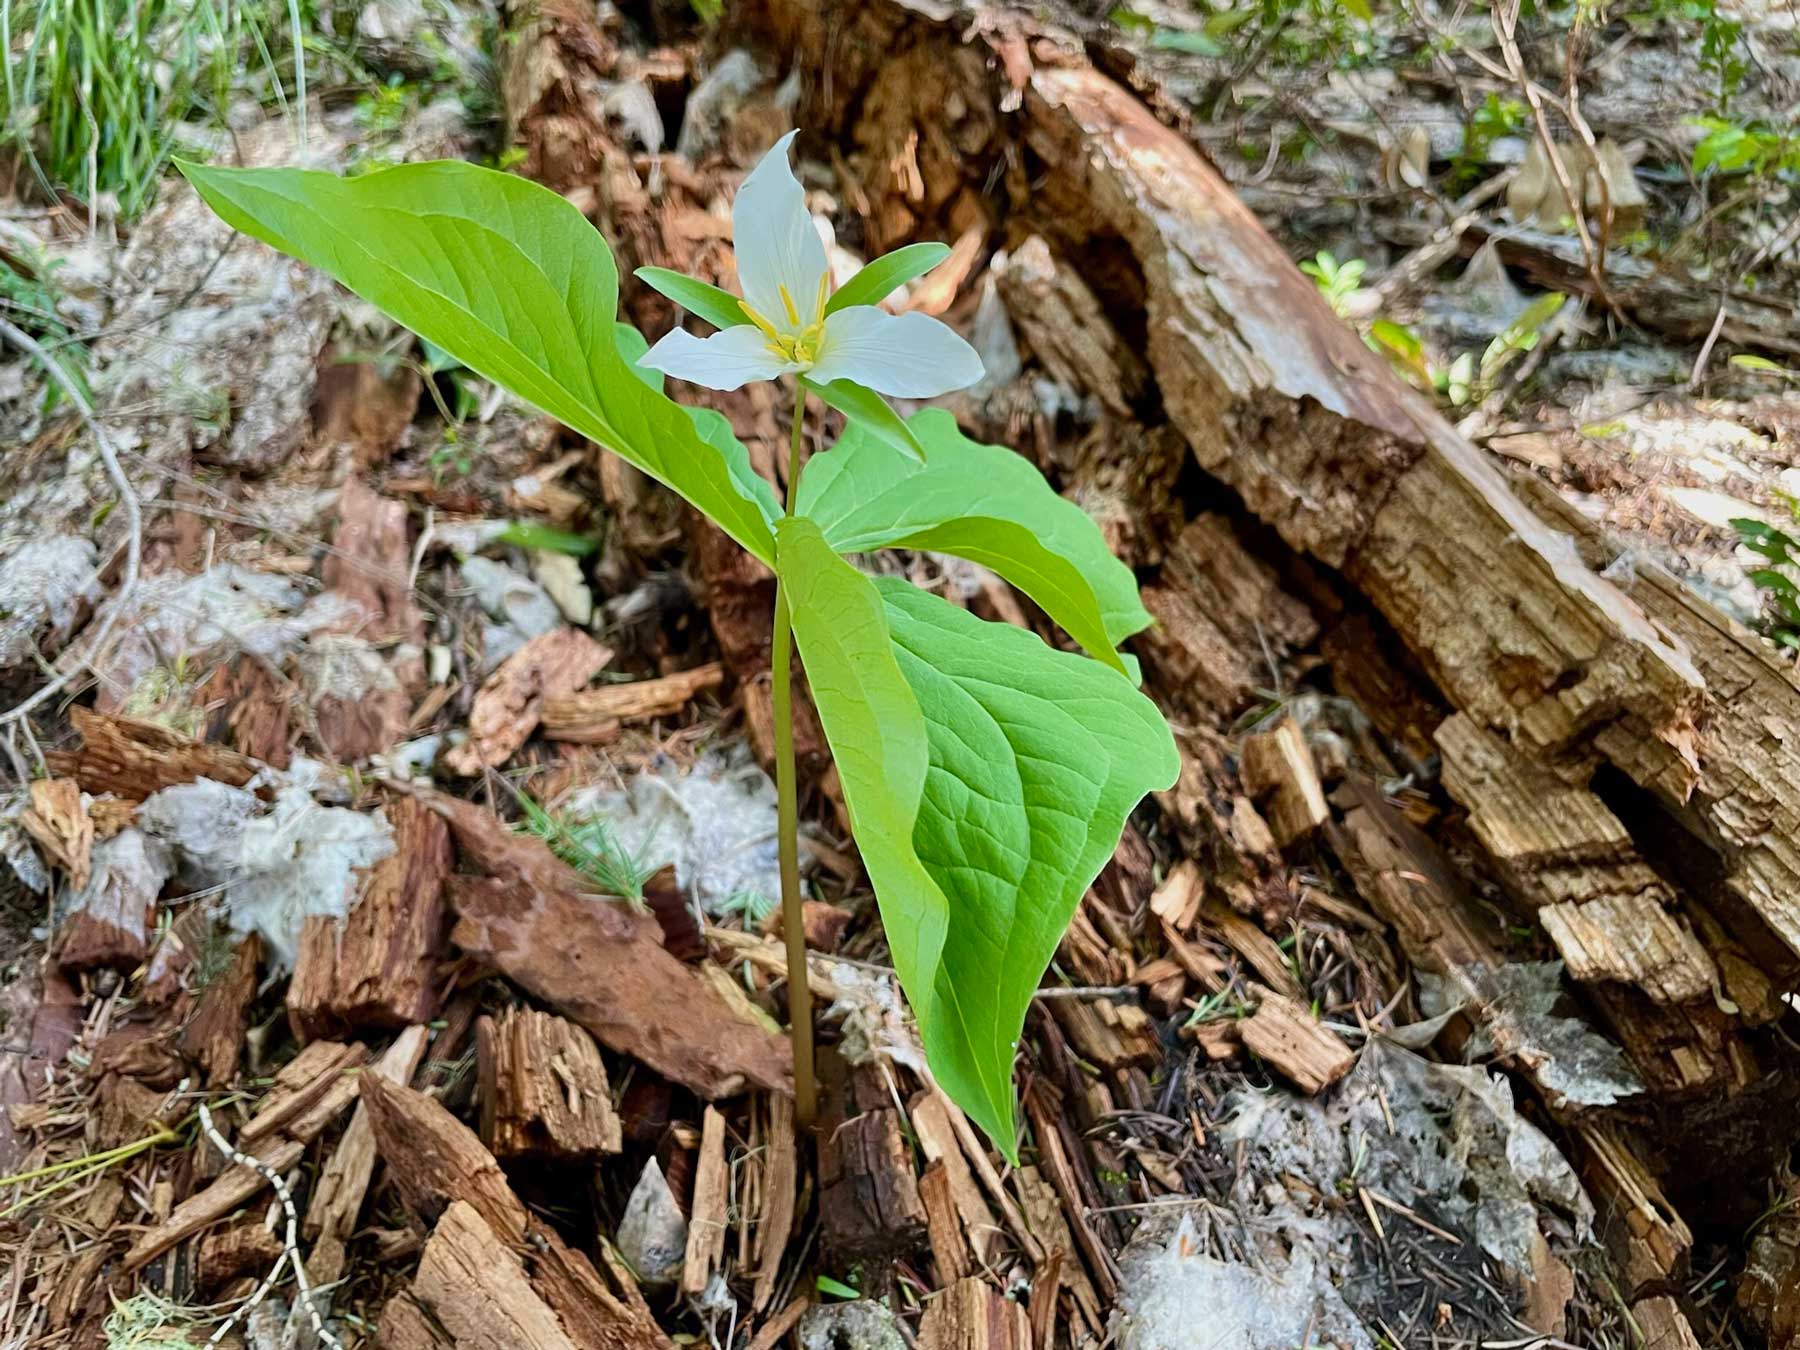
(987, 774)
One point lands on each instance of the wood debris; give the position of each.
(511, 703)
(543, 1088)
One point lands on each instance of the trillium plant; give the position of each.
(987, 773)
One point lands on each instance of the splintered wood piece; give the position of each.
(601, 965)
(511, 703)
(225, 1195)
(972, 1315)
(477, 1288)
(59, 821)
(1111, 1034)
(594, 716)
(337, 1198)
(781, 1181)
(1308, 1055)
(943, 1226)
(1259, 950)
(1663, 1324)
(1056, 1147)
(1068, 329)
(1278, 770)
(707, 1221)
(868, 1193)
(135, 759)
(1562, 852)
(775, 1330)
(932, 1116)
(1044, 1217)
(375, 967)
(108, 921)
(1177, 901)
(405, 1325)
(301, 1083)
(433, 1158)
(214, 1038)
(247, 1248)
(543, 1088)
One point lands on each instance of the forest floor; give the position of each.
(1403, 1019)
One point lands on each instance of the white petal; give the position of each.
(728, 359)
(776, 241)
(906, 355)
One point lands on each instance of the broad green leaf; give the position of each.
(877, 736)
(871, 412)
(512, 281)
(633, 346)
(718, 307)
(877, 280)
(1036, 759)
(981, 502)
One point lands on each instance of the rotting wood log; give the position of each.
(376, 967)
(543, 1089)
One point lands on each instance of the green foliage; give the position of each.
(96, 91)
(987, 774)
(591, 848)
(1756, 149)
(29, 296)
(1492, 119)
(876, 281)
(1781, 594)
(1337, 281)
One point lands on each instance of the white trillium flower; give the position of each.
(791, 330)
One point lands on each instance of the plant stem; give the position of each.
(800, 1013)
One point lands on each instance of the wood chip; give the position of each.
(1307, 1054)
(323, 1070)
(973, 1315)
(943, 1226)
(594, 716)
(476, 1288)
(868, 1193)
(510, 704)
(58, 819)
(707, 1222)
(543, 1089)
(1278, 770)
(135, 759)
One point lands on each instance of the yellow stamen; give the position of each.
(824, 292)
(788, 300)
(768, 329)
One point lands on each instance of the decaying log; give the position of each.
(376, 967)
(543, 1088)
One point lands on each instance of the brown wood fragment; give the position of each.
(1664, 1325)
(780, 1185)
(337, 1197)
(1283, 1033)
(707, 1222)
(972, 1315)
(1177, 901)
(1260, 951)
(247, 1248)
(1068, 329)
(631, 993)
(405, 1325)
(300, 1084)
(1044, 1217)
(1110, 1034)
(594, 716)
(60, 823)
(376, 967)
(1278, 771)
(543, 1088)
(135, 759)
(943, 1227)
(224, 1196)
(929, 1113)
(868, 1193)
(511, 703)
(477, 1288)
(214, 1038)
(365, 405)
(108, 922)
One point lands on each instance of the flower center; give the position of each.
(794, 340)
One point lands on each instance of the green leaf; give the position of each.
(877, 736)
(984, 503)
(869, 410)
(1036, 759)
(1194, 42)
(987, 777)
(512, 281)
(877, 280)
(718, 307)
(529, 534)
(836, 1288)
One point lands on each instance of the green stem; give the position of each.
(800, 1013)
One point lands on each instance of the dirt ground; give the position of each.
(1446, 1000)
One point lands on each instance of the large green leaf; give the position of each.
(1036, 759)
(511, 280)
(984, 503)
(877, 736)
(987, 777)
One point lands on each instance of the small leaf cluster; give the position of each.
(1781, 592)
(987, 774)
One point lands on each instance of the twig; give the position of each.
(134, 519)
(290, 1247)
(1706, 348)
